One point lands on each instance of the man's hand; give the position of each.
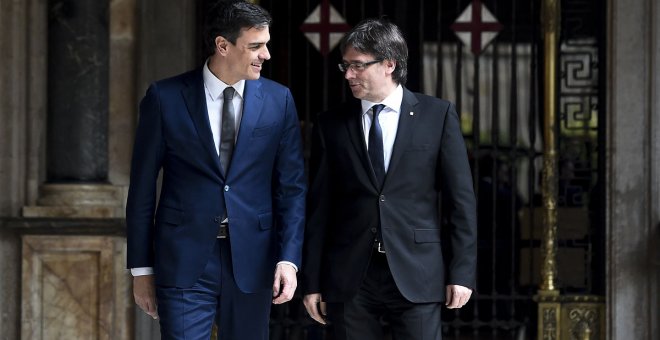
(285, 283)
(144, 294)
(312, 303)
(457, 296)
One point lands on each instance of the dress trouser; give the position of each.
(379, 301)
(188, 313)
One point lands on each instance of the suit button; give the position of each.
(226, 188)
(373, 230)
(382, 198)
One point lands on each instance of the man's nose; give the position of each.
(265, 54)
(349, 74)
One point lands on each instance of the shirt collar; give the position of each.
(393, 101)
(215, 86)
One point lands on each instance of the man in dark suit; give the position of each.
(372, 242)
(225, 238)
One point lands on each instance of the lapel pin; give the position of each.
(411, 113)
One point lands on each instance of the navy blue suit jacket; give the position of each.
(264, 189)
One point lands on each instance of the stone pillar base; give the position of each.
(78, 201)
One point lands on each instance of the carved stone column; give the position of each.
(77, 114)
(78, 65)
(633, 176)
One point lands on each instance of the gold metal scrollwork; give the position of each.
(549, 269)
(582, 320)
(549, 324)
(549, 305)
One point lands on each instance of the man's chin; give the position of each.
(357, 93)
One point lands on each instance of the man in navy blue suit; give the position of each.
(223, 241)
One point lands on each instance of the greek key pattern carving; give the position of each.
(578, 98)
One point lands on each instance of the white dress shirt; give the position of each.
(388, 119)
(214, 88)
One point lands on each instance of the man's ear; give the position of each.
(221, 45)
(390, 65)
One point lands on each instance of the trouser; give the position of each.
(188, 313)
(379, 301)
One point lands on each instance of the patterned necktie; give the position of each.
(228, 131)
(376, 145)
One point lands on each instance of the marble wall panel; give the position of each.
(74, 287)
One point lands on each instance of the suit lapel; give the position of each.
(253, 101)
(356, 133)
(407, 119)
(193, 96)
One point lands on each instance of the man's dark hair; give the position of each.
(383, 40)
(228, 17)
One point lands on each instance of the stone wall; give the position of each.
(633, 157)
(148, 40)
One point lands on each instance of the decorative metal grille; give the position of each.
(498, 95)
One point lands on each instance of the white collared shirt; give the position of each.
(388, 119)
(214, 87)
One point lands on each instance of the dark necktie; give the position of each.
(228, 132)
(376, 145)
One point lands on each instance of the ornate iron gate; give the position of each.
(498, 90)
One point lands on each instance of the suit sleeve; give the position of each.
(290, 186)
(148, 152)
(458, 196)
(317, 209)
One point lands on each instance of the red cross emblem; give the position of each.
(324, 27)
(476, 27)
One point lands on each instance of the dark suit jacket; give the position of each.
(429, 159)
(264, 189)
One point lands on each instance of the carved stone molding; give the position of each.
(78, 201)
